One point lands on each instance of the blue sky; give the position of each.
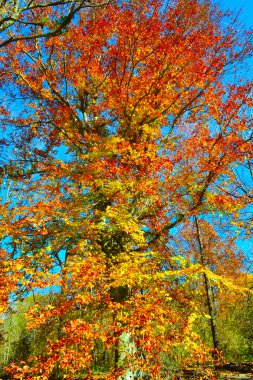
(247, 9)
(246, 18)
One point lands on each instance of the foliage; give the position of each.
(234, 323)
(120, 139)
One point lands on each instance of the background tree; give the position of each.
(206, 243)
(233, 322)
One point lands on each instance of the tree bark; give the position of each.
(208, 292)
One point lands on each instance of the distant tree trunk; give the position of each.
(209, 295)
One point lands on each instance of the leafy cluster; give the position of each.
(126, 141)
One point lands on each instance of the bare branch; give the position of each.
(17, 15)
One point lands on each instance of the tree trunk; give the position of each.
(208, 292)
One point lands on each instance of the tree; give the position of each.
(16, 342)
(205, 242)
(235, 314)
(127, 128)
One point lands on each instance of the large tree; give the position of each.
(117, 132)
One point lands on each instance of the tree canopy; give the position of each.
(125, 143)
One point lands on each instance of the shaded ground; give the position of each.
(239, 371)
